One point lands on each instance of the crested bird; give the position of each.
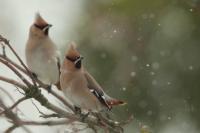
(80, 87)
(42, 56)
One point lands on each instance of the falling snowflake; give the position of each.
(134, 58)
(169, 118)
(152, 73)
(133, 74)
(191, 10)
(115, 31)
(103, 55)
(190, 67)
(155, 65)
(149, 113)
(168, 83)
(147, 65)
(124, 88)
(154, 82)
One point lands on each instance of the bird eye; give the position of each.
(77, 57)
(71, 59)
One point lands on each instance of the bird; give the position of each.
(41, 53)
(80, 87)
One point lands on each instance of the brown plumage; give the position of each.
(41, 53)
(80, 87)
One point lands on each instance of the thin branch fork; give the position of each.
(32, 90)
(11, 81)
(13, 117)
(47, 123)
(43, 101)
(15, 71)
(6, 42)
(39, 82)
(14, 64)
(14, 105)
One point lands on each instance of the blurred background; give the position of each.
(144, 52)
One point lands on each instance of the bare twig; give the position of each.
(14, 64)
(4, 50)
(39, 82)
(55, 94)
(47, 123)
(8, 94)
(12, 128)
(14, 105)
(32, 90)
(11, 81)
(15, 71)
(12, 116)
(15, 53)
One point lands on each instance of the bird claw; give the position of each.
(49, 88)
(34, 75)
(79, 112)
(84, 116)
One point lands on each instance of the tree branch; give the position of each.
(31, 89)
(14, 105)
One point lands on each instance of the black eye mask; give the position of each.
(44, 28)
(76, 61)
(40, 27)
(72, 59)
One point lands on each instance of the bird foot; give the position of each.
(84, 116)
(49, 88)
(34, 75)
(79, 112)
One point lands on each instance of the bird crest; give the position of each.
(72, 52)
(39, 20)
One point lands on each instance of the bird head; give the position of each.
(73, 58)
(40, 27)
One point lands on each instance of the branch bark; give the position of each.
(31, 89)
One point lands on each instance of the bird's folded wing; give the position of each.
(58, 66)
(96, 89)
(58, 63)
(57, 58)
(92, 83)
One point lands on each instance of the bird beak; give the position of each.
(47, 27)
(81, 57)
(78, 62)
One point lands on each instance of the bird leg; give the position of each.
(79, 112)
(84, 116)
(34, 75)
(49, 88)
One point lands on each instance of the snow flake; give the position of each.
(133, 74)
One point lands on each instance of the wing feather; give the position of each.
(96, 89)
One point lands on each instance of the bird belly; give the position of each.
(45, 67)
(82, 99)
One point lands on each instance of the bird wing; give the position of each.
(96, 89)
(58, 65)
(57, 56)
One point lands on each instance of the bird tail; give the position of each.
(115, 102)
